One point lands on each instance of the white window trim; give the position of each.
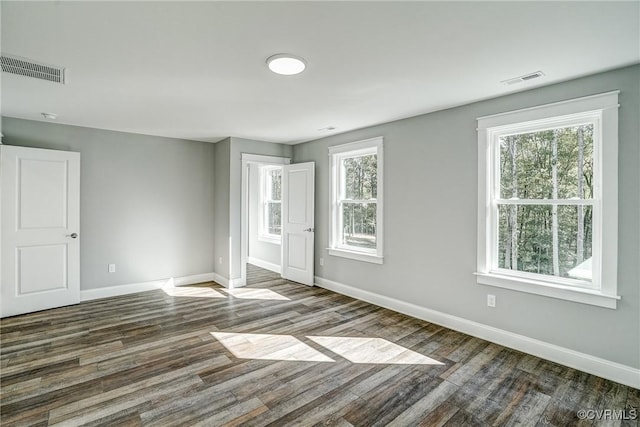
(368, 146)
(603, 109)
(263, 234)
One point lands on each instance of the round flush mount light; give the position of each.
(286, 64)
(49, 116)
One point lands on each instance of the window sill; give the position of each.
(270, 239)
(584, 296)
(359, 256)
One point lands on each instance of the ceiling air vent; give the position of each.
(27, 67)
(524, 78)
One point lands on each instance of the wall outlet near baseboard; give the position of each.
(491, 300)
(112, 268)
(321, 261)
(220, 260)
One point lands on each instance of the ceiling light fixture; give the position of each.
(49, 116)
(286, 64)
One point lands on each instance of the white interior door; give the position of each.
(298, 182)
(40, 223)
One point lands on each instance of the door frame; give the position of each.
(247, 160)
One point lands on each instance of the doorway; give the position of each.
(282, 194)
(261, 212)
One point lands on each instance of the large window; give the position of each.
(356, 206)
(271, 203)
(548, 200)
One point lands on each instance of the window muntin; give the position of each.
(271, 203)
(356, 209)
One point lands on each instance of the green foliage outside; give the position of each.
(274, 208)
(359, 205)
(531, 236)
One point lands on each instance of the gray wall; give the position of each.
(221, 208)
(430, 223)
(146, 203)
(259, 249)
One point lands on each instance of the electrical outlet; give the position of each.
(491, 300)
(220, 260)
(321, 261)
(112, 268)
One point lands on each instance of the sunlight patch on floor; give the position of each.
(269, 347)
(250, 293)
(192, 291)
(373, 350)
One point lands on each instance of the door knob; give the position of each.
(72, 235)
(309, 229)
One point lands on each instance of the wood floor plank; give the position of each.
(201, 403)
(235, 413)
(158, 358)
(431, 400)
(42, 403)
(270, 382)
(186, 372)
(302, 397)
(381, 405)
(439, 416)
(37, 372)
(115, 406)
(468, 370)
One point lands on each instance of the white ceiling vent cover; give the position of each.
(524, 78)
(29, 68)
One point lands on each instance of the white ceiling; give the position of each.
(196, 70)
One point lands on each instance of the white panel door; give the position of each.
(298, 222)
(40, 222)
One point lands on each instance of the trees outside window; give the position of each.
(358, 203)
(271, 203)
(545, 205)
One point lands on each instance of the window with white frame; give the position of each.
(547, 205)
(271, 203)
(356, 200)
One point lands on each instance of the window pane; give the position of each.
(274, 220)
(359, 224)
(526, 164)
(525, 240)
(361, 177)
(275, 184)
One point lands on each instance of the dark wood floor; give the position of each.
(257, 275)
(276, 353)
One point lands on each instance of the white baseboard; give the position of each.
(229, 283)
(265, 264)
(193, 279)
(220, 279)
(237, 283)
(114, 291)
(594, 365)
